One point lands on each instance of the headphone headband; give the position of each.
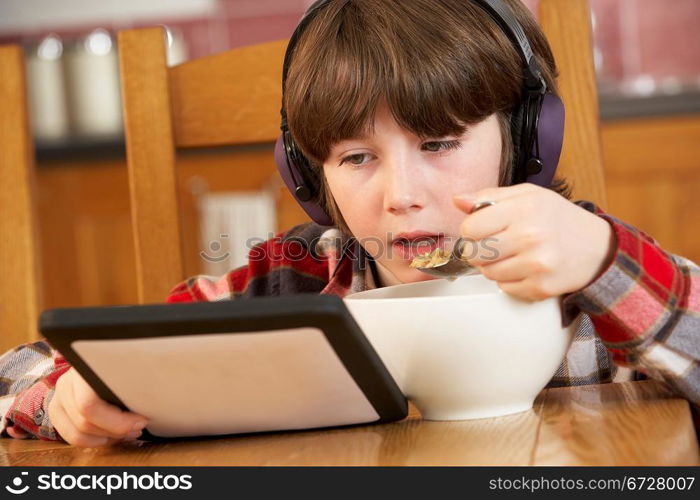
(503, 16)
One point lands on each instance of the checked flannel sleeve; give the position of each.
(646, 309)
(28, 375)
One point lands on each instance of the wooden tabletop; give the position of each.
(632, 423)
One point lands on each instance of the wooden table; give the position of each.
(632, 423)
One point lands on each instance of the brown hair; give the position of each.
(440, 65)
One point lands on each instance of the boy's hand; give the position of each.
(540, 244)
(83, 419)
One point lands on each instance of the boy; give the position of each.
(403, 110)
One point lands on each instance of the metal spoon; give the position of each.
(455, 266)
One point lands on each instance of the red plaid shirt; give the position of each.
(641, 316)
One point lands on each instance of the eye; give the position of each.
(437, 146)
(355, 160)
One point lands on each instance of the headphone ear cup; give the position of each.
(545, 133)
(549, 139)
(291, 165)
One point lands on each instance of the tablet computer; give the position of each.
(217, 368)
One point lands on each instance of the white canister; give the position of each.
(47, 94)
(176, 48)
(92, 71)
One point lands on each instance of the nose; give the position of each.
(403, 189)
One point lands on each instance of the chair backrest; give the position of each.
(231, 98)
(234, 98)
(567, 24)
(19, 261)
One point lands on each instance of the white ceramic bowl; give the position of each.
(464, 349)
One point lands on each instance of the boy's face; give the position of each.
(395, 191)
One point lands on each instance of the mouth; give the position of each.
(407, 246)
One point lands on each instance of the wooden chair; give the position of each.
(234, 98)
(19, 262)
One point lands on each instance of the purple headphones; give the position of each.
(537, 125)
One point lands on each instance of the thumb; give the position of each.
(465, 202)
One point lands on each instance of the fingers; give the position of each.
(69, 432)
(17, 433)
(522, 277)
(466, 201)
(526, 290)
(91, 415)
(486, 222)
(511, 205)
(83, 419)
(101, 414)
(491, 249)
(533, 242)
(515, 240)
(511, 269)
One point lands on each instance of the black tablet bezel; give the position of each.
(328, 313)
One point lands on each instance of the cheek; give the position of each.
(488, 165)
(337, 188)
(483, 171)
(477, 168)
(354, 209)
(340, 192)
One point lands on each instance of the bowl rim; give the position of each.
(496, 294)
(480, 297)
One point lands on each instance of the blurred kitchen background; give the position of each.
(647, 56)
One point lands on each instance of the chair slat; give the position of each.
(229, 98)
(20, 292)
(151, 162)
(567, 24)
